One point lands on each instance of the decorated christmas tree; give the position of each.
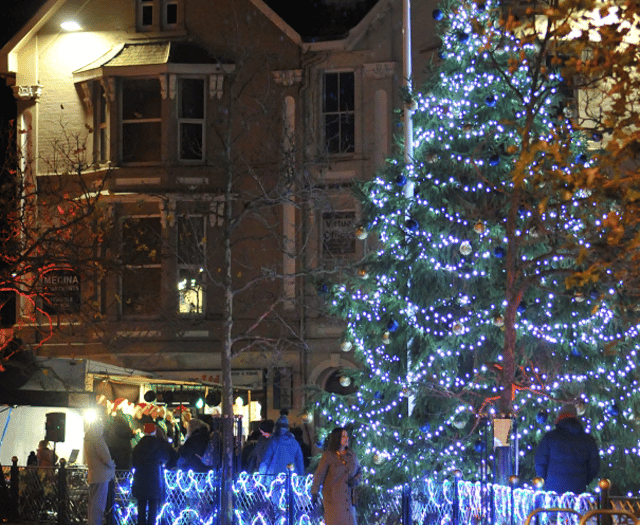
(490, 293)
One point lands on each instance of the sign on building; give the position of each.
(61, 292)
(338, 233)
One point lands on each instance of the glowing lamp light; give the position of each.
(70, 25)
(90, 415)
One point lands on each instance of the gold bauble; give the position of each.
(458, 328)
(579, 297)
(498, 320)
(362, 233)
(479, 227)
(386, 338)
(363, 273)
(538, 483)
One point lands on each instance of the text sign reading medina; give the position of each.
(61, 292)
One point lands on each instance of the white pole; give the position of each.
(407, 73)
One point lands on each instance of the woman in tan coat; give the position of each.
(338, 473)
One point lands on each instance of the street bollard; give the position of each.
(15, 489)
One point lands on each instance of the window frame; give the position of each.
(139, 266)
(101, 119)
(184, 120)
(339, 113)
(189, 267)
(122, 122)
(159, 15)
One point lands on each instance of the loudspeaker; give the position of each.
(54, 427)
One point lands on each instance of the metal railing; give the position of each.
(59, 496)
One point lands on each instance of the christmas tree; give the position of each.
(479, 299)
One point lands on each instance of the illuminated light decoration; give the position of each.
(430, 286)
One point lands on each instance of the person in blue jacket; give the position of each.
(282, 450)
(567, 457)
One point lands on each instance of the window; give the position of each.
(145, 14)
(338, 111)
(170, 13)
(141, 253)
(191, 244)
(101, 146)
(141, 120)
(191, 111)
(158, 15)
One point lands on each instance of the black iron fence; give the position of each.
(59, 496)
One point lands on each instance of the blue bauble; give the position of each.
(412, 225)
(581, 159)
(594, 294)
(522, 307)
(480, 7)
(378, 395)
(541, 417)
(499, 252)
(426, 427)
(491, 101)
(463, 37)
(438, 14)
(480, 446)
(614, 410)
(597, 136)
(323, 289)
(575, 352)
(401, 180)
(393, 325)
(494, 160)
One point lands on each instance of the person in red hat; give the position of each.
(149, 457)
(567, 457)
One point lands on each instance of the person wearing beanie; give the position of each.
(282, 450)
(567, 457)
(149, 457)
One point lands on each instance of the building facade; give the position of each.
(198, 115)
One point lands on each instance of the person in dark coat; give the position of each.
(118, 436)
(194, 447)
(257, 453)
(567, 457)
(148, 458)
(282, 450)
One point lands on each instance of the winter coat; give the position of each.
(567, 458)
(148, 458)
(100, 466)
(337, 476)
(192, 451)
(282, 450)
(118, 436)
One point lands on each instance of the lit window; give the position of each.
(191, 113)
(191, 244)
(339, 112)
(141, 254)
(141, 120)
